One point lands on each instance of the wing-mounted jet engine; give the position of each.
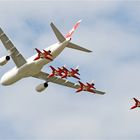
(4, 60)
(42, 87)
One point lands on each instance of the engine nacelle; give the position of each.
(41, 87)
(4, 60)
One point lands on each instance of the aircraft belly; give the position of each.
(30, 69)
(10, 77)
(16, 74)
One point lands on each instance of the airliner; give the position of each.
(32, 67)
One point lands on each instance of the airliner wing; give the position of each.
(60, 81)
(56, 80)
(18, 59)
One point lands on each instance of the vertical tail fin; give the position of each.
(73, 29)
(58, 34)
(61, 38)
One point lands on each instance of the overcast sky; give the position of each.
(111, 29)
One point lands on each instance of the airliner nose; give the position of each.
(10, 77)
(3, 81)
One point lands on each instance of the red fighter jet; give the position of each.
(86, 87)
(45, 54)
(137, 104)
(55, 72)
(70, 73)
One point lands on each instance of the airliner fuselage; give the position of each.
(32, 66)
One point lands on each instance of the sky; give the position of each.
(111, 29)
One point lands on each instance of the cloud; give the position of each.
(114, 65)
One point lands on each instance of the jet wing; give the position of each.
(60, 81)
(18, 59)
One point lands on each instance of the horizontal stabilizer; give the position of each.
(61, 38)
(99, 92)
(58, 34)
(77, 47)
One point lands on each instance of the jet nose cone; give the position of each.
(3, 81)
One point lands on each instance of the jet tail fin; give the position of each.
(69, 35)
(61, 38)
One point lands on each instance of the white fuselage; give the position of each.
(32, 67)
